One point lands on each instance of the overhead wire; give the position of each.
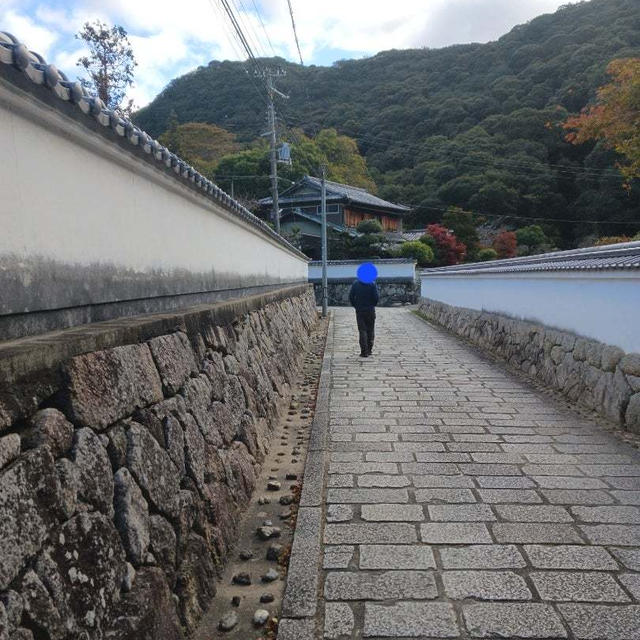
(251, 34)
(295, 33)
(232, 41)
(255, 6)
(382, 142)
(533, 218)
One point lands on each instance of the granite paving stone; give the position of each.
(505, 482)
(563, 481)
(394, 556)
(536, 532)
(461, 512)
(410, 619)
(367, 495)
(481, 557)
(339, 512)
(513, 620)
(622, 514)
(455, 533)
(337, 556)
(522, 496)
(569, 557)
(602, 622)
(577, 496)
(443, 481)
(338, 620)
(485, 585)
(394, 585)
(370, 533)
(578, 586)
(444, 495)
(392, 512)
(382, 481)
(532, 513)
(614, 534)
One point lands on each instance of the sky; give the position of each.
(171, 37)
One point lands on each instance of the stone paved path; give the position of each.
(461, 502)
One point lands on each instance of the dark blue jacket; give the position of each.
(363, 296)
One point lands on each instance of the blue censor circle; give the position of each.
(367, 272)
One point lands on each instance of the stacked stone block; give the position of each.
(121, 490)
(391, 292)
(594, 375)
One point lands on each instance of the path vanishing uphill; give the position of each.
(460, 502)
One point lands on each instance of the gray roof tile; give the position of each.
(622, 256)
(336, 192)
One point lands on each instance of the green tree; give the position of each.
(532, 236)
(338, 153)
(464, 227)
(486, 253)
(109, 64)
(420, 251)
(369, 226)
(202, 145)
(344, 161)
(370, 243)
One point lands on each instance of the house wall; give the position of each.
(91, 230)
(353, 217)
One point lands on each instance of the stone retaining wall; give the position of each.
(592, 374)
(392, 292)
(124, 471)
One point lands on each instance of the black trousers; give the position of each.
(366, 328)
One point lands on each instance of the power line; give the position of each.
(535, 218)
(255, 6)
(295, 34)
(220, 16)
(239, 32)
(375, 140)
(251, 34)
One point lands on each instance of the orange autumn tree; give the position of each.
(615, 118)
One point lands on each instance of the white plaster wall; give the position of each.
(602, 305)
(71, 196)
(337, 271)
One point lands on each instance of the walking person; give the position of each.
(364, 296)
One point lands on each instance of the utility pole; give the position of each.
(272, 155)
(269, 75)
(323, 200)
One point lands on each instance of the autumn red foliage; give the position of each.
(448, 249)
(505, 244)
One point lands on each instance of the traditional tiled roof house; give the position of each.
(347, 206)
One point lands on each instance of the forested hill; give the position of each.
(477, 126)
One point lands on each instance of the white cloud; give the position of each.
(37, 37)
(170, 38)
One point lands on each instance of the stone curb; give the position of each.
(300, 600)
